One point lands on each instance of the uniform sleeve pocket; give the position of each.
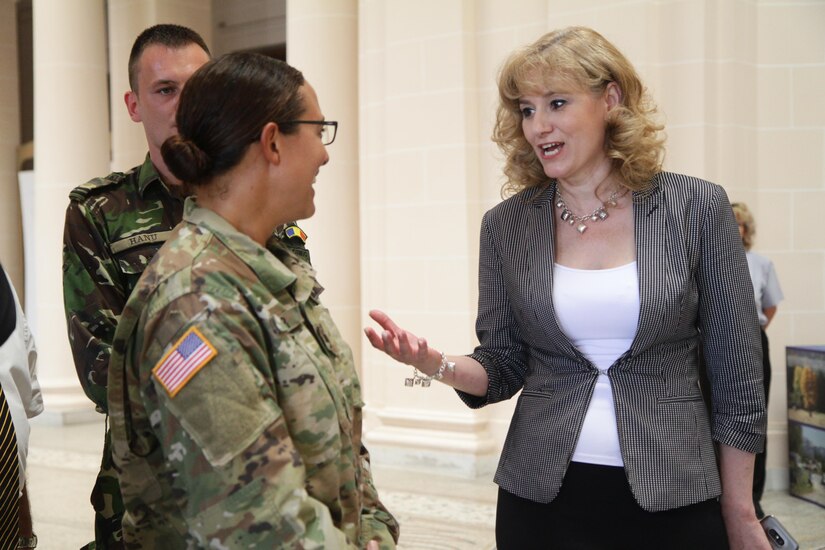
(227, 404)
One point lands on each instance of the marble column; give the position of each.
(11, 251)
(420, 212)
(71, 143)
(322, 42)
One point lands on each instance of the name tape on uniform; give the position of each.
(135, 240)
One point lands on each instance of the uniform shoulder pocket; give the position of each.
(226, 403)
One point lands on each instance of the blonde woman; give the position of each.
(596, 278)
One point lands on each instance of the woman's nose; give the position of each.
(542, 124)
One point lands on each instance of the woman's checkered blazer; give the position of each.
(693, 279)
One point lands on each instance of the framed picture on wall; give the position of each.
(806, 422)
(806, 385)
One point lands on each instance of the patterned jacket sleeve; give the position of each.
(501, 350)
(93, 297)
(728, 321)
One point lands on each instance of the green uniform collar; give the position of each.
(287, 268)
(147, 175)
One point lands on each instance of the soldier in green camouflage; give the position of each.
(115, 224)
(235, 406)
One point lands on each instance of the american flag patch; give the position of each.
(189, 355)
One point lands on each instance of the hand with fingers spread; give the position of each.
(461, 372)
(402, 345)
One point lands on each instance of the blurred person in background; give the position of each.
(20, 400)
(768, 294)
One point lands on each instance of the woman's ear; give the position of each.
(613, 95)
(270, 142)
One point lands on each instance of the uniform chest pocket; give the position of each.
(304, 393)
(322, 327)
(133, 262)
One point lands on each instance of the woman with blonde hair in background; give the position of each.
(768, 294)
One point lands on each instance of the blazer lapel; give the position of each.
(541, 256)
(651, 256)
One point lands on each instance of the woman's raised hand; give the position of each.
(402, 345)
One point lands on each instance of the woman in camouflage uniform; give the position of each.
(234, 401)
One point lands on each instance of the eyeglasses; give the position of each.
(329, 128)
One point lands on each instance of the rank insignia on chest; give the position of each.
(190, 354)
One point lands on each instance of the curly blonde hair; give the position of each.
(585, 59)
(745, 219)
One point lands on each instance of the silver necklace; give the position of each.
(599, 214)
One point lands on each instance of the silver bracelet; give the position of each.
(418, 379)
(424, 381)
(448, 366)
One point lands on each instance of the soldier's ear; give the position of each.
(131, 100)
(270, 142)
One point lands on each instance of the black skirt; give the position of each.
(595, 510)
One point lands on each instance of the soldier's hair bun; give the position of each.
(185, 159)
(223, 109)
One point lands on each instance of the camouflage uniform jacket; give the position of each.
(256, 442)
(114, 225)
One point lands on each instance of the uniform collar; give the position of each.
(276, 267)
(148, 176)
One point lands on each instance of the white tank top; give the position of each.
(598, 310)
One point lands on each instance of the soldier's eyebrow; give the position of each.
(164, 82)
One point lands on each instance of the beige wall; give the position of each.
(69, 94)
(315, 28)
(421, 199)
(790, 182)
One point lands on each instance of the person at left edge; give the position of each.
(234, 402)
(21, 392)
(115, 224)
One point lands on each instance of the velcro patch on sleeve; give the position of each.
(190, 354)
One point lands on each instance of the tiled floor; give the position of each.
(434, 511)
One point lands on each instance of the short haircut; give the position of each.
(166, 34)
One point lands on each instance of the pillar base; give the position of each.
(776, 479)
(65, 406)
(66, 418)
(453, 445)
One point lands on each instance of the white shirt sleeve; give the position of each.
(771, 291)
